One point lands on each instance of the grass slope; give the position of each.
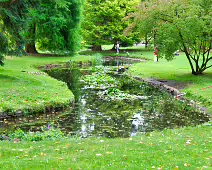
(24, 87)
(186, 148)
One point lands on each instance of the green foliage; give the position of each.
(46, 133)
(180, 25)
(3, 47)
(54, 25)
(103, 22)
(57, 26)
(100, 79)
(13, 22)
(96, 60)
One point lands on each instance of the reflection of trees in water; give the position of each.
(75, 85)
(111, 118)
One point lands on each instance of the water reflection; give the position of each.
(115, 117)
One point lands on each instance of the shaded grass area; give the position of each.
(24, 87)
(186, 148)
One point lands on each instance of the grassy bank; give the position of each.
(24, 87)
(186, 148)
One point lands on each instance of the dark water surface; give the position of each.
(118, 107)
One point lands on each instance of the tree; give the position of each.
(144, 25)
(12, 22)
(103, 22)
(55, 26)
(181, 25)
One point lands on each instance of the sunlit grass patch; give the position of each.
(186, 148)
(24, 87)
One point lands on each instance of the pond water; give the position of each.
(111, 104)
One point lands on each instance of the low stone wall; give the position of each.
(172, 91)
(162, 86)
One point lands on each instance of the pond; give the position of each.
(111, 104)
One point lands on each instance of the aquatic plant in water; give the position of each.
(116, 94)
(99, 80)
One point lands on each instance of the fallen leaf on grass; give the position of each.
(98, 154)
(109, 153)
(43, 154)
(186, 164)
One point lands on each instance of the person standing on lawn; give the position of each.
(156, 54)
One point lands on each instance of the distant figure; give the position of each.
(177, 53)
(156, 54)
(117, 47)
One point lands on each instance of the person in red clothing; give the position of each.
(156, 54)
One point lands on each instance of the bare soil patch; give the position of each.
(175, 84)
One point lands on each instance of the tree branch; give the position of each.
(208, 67)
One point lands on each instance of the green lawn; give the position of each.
(183, 149)
(24, 87)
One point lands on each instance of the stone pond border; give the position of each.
(172, 91)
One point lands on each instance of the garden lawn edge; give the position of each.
(26, 90)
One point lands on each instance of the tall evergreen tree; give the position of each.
(55, 26)
(12, 23)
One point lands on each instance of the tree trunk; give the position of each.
(96, 48)
(146, 41)
(65, 34)
(114, 47)
(30, 48)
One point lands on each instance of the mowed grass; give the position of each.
(178, 149)
(25, 87)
